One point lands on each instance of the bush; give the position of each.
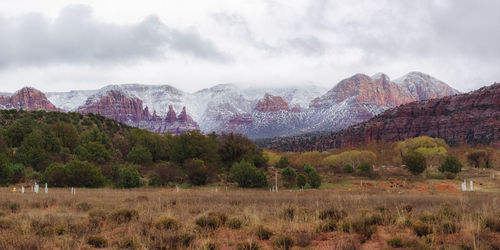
(247, 175)
(364, 228)
(124, 215)
(451, 164)
(263, 233)
(140, 155)
(448, 228)
(288, 213)
(308, 168)
(283, 162)
(128, 178)
(415, 162)
(197, 171)
(395, 242)
(422, 229)
(235, 223)
(56, 175)
(208, 222)
(301, 180)
(167, 223)
(283, 242)
(5, 174)
(84, 174)
(17, 173)
(97, 241)
(332, 214)
(288, 175)
(364, 168)
(314, 180)
(249, 245)
(493, 224)
(348, 168)
(327, 226)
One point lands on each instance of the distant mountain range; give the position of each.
(472, 118)
(254, 112)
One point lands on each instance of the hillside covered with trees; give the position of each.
(71, 149)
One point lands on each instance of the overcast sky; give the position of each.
(59, 45)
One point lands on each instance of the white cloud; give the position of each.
(194, 44)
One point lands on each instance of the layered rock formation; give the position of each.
(472, 118)
(27, 99)
(271, 103)
(254, 112)
(116, 105)
(171, 124)
(126, 108)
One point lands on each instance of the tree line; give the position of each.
(71, 149)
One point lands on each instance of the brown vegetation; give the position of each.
(247, 219)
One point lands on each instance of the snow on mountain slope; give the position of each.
(307, 108)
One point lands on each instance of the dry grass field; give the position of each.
(345, 216)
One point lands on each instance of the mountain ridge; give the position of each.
(255, 112)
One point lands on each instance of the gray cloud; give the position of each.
(309, 46)
(76, 37)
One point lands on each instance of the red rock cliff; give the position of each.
(27, 99)
(271, 103)
(117, 106)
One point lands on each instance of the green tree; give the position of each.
(415, 162)
(32, 151)
(247, 175)
(451, 164)
(17, 131)
(93, 152)
(313, 178)
(96, 135)
(67, 134)
(17, 173)
(236, 147)
(283, 162)
(364, 167)
(56, 175)
(308, 168)
(140, 155)
(301, 180)
(348, 168)
(5, 174)
(288, 176)
(128, 178)
(197, 172)
(194, 145)
(84, 174)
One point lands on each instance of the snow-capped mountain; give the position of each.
(255, 112)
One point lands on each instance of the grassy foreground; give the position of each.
(248, 219)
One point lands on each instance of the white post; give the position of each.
(36, 187)
(216, 190)
(276, 181)
(46, 189)
(471, 186)
(464, 187)
(177, 188)
(22, 190)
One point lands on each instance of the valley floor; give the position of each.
(344, 215)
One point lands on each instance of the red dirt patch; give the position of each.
(443, 187)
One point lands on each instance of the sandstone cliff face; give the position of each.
(171, 124)
(378, 90)
(271, 103)
(27, 99)
(472, 118)
(117, 106)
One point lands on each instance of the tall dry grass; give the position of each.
(246, 219)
